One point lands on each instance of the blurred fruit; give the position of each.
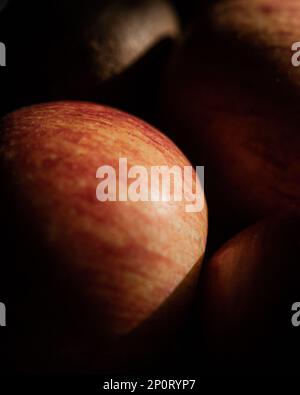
(248, 289)
(231, 102)
(3, 4)
(89, 283)
(109, 51)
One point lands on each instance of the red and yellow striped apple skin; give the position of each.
(126, 258)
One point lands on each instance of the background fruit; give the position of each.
(3, 4)
(231, 102)
(107, 51)
(248, 289)
(89, 283)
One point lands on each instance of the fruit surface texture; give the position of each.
(117, 262)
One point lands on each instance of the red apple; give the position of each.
(90, 281)
(231, 100)
(248, 291)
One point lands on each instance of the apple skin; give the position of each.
(230, 101)
(109, 51)
(247, 292)
(90, 284)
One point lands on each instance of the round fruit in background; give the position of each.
(3, 4)
(248, 291)
(231, 102)
(111, 52)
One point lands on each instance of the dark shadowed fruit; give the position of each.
(248, 290)
(109, 51)
(231, 101)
